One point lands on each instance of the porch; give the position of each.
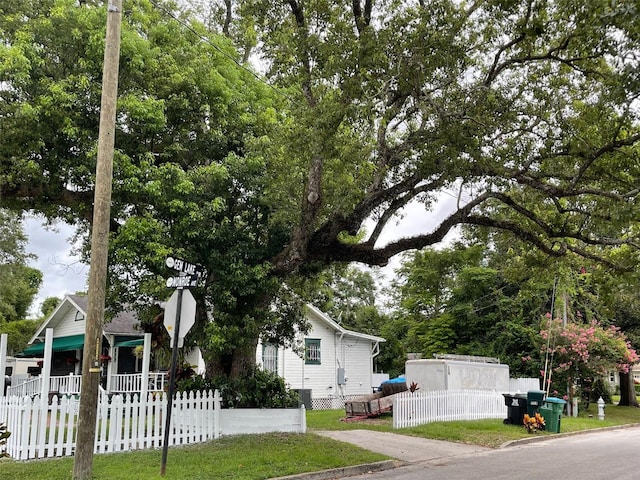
(114, 384)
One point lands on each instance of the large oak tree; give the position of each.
(526, 111)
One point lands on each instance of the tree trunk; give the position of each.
(240, 363)
(243, 361)
(627, 391)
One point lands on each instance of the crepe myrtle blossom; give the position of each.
(587, 350)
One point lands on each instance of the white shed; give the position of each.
(450, 374)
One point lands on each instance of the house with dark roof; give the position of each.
(123, 369)
(68, 320)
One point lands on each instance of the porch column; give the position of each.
(45, 374)
(146, 360)
(3, 361)
(111, 365)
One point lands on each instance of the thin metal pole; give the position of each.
(172, 383)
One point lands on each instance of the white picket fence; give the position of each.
(419, 408)
(41, 430)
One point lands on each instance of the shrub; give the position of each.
(599, 388)
(4, 434)
(260, 390)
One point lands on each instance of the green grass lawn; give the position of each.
(489, 433)
(253, 457)
(243, 457)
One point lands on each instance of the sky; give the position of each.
(64, 274)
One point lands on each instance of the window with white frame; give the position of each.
(312, 351)
(270, 358)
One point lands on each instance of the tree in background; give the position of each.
(19, 283)
(450, 301)
(490, 304)
(583, 352)
(523, 111)
(49, 305)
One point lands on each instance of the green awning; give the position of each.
(60, 344)
(130, 343)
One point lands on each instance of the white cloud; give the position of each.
(62, 272)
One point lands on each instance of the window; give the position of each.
(312, 351)
(270, 358)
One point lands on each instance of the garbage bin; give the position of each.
(516, 408)
(551, 411)
(534, 401)
(305, 397)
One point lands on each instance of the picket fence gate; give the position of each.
(43, 430)
(419, 408)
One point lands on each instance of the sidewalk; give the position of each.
(402, 447)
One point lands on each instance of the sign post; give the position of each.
(190, 274)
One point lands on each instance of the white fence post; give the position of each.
(216, 414)
(303, 419)
(3, 363)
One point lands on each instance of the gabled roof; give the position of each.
(122, 324)
(320, 315)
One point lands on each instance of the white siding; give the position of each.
(68, 325)
(321, 379)
(337, 350)
(355, 358)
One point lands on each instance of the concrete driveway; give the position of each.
(402, 447)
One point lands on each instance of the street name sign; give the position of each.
(184, 267)
(183, 281)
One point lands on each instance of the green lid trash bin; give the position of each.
(551, 411)
(534, 401)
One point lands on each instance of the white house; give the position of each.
(330, 361)
(121, 367)
(68, 322)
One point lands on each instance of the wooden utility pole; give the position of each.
(83, 462)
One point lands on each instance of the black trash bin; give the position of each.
(516, 408)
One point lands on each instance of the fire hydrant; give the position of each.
(600, 409)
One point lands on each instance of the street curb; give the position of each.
(345, 471)
(535, 439)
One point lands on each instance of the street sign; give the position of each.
(187, 313)
(185, 267)
(183, 282)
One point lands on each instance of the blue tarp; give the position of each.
(394, 380)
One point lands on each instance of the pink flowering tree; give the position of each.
(578, 353)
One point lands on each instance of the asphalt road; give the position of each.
(598, 455)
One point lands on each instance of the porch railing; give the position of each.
(129, 383)
(70, 384)
(29, 388)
